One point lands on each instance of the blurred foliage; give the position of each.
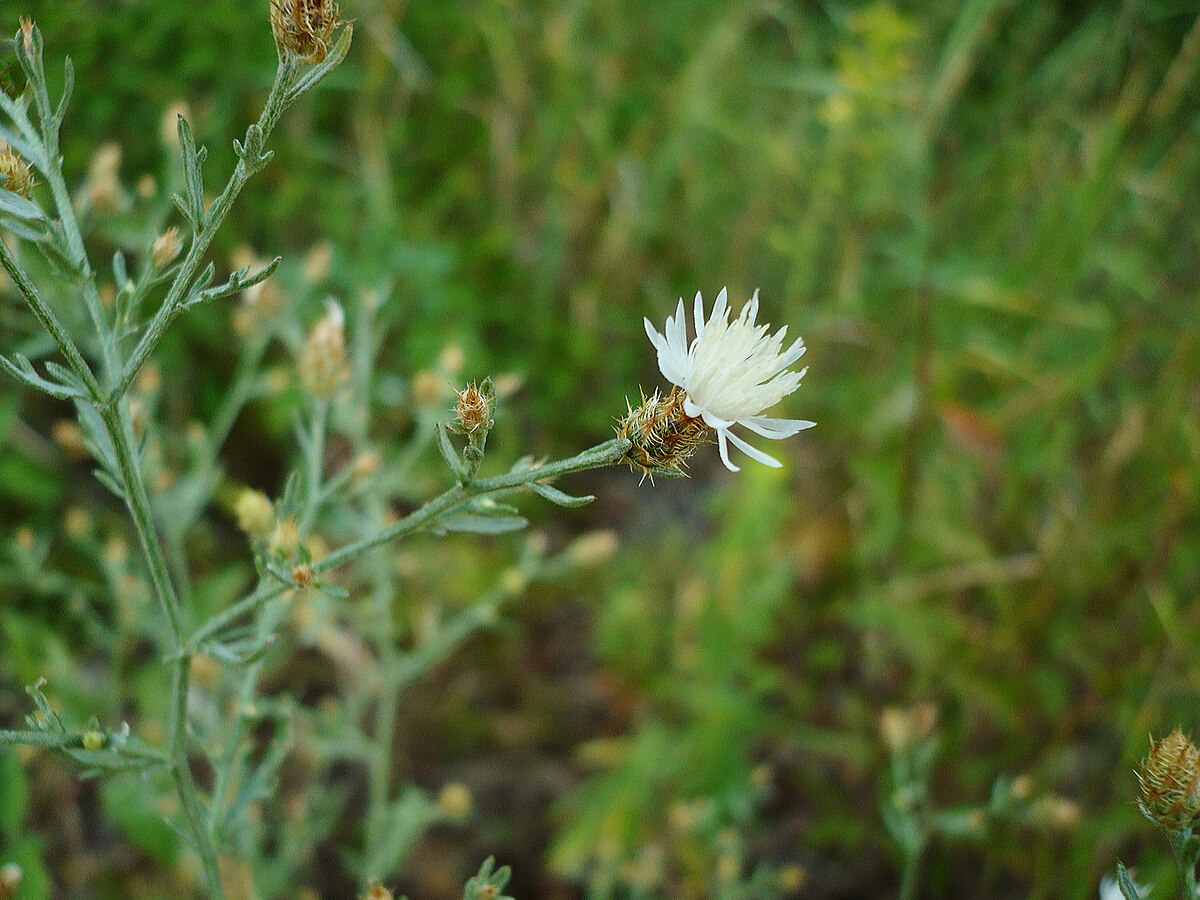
(982, 217)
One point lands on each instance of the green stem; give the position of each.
(178, 292)
(116, 421)
(908, 881)
(605, 454)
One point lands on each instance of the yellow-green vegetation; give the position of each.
(922, 657)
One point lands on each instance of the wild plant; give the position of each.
(251, 774)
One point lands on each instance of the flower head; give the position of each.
(16, 175)
(730, 373)
(1170, 781)
(304, 27)
(323, 366)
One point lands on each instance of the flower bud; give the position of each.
(92, 740)
(285, 538)
(428, 388)
(103, 189)
(166, 248)
(255, 512)
(323, 367)
(16, 175)
(304, 28)
(473, 411)
(1170, 781)
(366, 464)
(663, 437)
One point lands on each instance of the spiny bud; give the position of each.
(92, 740)
(27, 34)
(663, 437)
(473, 411)
(1170, 781)
(255, 512)
(303, 575)
(166, 248)
(323, 367)
(16, 175)
(304, 27)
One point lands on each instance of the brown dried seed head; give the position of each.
(1170, 781)
(304, 576)
(304, 28)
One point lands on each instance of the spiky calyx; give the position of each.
(662, 436)
(304, 28)
(1170, 781)
(473, 410)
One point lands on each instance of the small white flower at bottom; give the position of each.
(731, 373)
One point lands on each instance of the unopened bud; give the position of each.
(318, 262)
(92, 740)
(255, 512)
(903, 729)
(16, 175)
(285, 538)
(304, 28)
(103, 190)
(473, 411)
(323, 367)
(1170, 781)
(303, 576)
(166, 248)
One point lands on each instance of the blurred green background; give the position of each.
(983, 219)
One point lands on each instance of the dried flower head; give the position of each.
(903, 729)
(16, 175)
(304, 576)
(473, 411)
(255, 512)
(323, 367)
(1170, 781)
(730, 373)
(166, 248)
(662, 435)
(304, 28)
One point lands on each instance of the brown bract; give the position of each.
(304, 27)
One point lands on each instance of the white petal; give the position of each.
(699, 314)
(725, 451)
(750, 310)
(775, 429)
(720, 306)
(754, 453)
(714, 422)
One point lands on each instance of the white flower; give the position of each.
(1110, 890)
(731, 373)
